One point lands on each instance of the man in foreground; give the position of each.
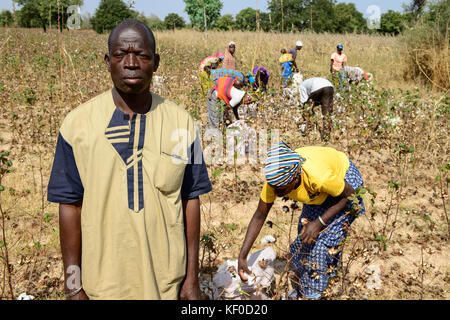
(128, 173)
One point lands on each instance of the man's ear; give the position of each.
(107, 62)
(156, 64)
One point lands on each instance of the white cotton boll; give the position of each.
(251, 279)
(268, 239)
(24, 296)
(228, 285)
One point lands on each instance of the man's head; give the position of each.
(232, 47)
(132, 57)
(299, 45)
(340, 47)
(283, 51)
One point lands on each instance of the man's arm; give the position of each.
(191, 211)
(70, 239)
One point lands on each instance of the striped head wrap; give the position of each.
(282, 165)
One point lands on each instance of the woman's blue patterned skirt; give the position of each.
(316, 263)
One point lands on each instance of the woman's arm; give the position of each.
(312, 229)
(253, 230)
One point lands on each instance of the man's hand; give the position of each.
(190, 290)
(310, 231)
(79, 296)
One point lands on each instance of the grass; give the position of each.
(395, 131)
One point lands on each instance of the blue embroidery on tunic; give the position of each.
(121, 134)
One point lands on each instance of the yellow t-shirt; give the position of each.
(323, 175)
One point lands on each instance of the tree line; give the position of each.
(282, 16)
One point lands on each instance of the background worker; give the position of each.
(338, 60)
(321, 92)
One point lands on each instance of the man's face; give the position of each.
(299, 48)
(131, 61)
(232, 48)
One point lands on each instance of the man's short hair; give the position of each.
(133, 24)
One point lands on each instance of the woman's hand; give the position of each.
(310, 231)
(243, 268)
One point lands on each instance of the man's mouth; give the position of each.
(132, 80)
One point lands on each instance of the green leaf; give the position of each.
(47, 217)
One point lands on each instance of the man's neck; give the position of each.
(132, 103)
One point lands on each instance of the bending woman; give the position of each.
(323, 179)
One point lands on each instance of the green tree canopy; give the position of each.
(153, 21)
(297, 14)
(109, 13)
(174, 21)
(392, 22)
(44, 13)
(225, 23)
(6, 18)
(201, 11)
(348, 19)
(246, 19)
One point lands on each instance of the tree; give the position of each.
(297, 14)
(43, 13)
(203, 13)
(286, 13)
(225, 23)
(6, 18)
(246, 19)
(109, 13)
(392, 22)
(153, 22)
(174, 21)
(348, 19)
(323, 16)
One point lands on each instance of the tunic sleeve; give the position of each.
(196, 180)
(65, 185)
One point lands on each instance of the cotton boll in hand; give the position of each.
(268, 239)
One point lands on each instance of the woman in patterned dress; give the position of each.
(323, 179)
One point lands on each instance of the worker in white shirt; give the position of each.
(321, 92)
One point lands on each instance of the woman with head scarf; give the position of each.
(287, 65)
(261, 78)
(204, 70)
(355, 75)
(229, 61)
(338, 60)
(323, 179)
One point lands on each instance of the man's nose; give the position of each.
(131, 61)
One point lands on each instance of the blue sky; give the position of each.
(163, 7)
